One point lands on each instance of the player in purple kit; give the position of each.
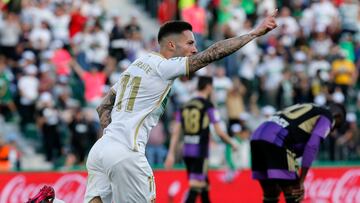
(194, 119)
(296, 131)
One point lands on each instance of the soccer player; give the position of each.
(117, 167)
(194, 119)
(296, 131)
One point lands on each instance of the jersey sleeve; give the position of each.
(322, 127)
(214, 115)
(172, 68)
(321, 130)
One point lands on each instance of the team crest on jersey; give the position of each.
(217, 116)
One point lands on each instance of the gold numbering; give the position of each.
(135, 85)
(294, 112)
(192, 120)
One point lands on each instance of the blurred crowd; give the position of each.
(59, 57)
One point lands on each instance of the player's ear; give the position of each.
(210, 86)
(171, 45)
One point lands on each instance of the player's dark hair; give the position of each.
(338, 110)
(203, 82)
(173, 27)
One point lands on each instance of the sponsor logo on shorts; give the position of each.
(192, 139)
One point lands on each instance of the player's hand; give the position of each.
(298, 191)
(266, 25)
(169, 162)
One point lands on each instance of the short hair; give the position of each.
(203, 81)
(173, 27)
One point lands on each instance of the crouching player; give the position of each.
(296, 131)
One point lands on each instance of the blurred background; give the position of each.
(59, 57)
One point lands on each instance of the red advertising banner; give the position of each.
(322, 185)
(18, 187)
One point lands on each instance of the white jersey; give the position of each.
(141, 96)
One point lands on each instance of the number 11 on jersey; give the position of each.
(134, 85)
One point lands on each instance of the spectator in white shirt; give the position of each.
(99, 45)
(60, 24)
(249, 61)
(91, 8)
(325, 14)
(40, 37)
(271, 71)
(236, 22)
(9, 35)
(349, 12)
(28, 58)
(307, 21)
(319, 64)
(321, 43)
(28, 86)
(265, 6)
(41, 13)
(286, 19)
(222, 84)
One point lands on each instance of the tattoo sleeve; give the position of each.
(218, 51)
(104, 109)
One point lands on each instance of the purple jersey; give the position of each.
(195, 117)
(299, 128)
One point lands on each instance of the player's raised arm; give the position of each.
(226, 47)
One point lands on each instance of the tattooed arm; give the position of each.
(104, 109)
(226, 47)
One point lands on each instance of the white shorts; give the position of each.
(117, 174)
